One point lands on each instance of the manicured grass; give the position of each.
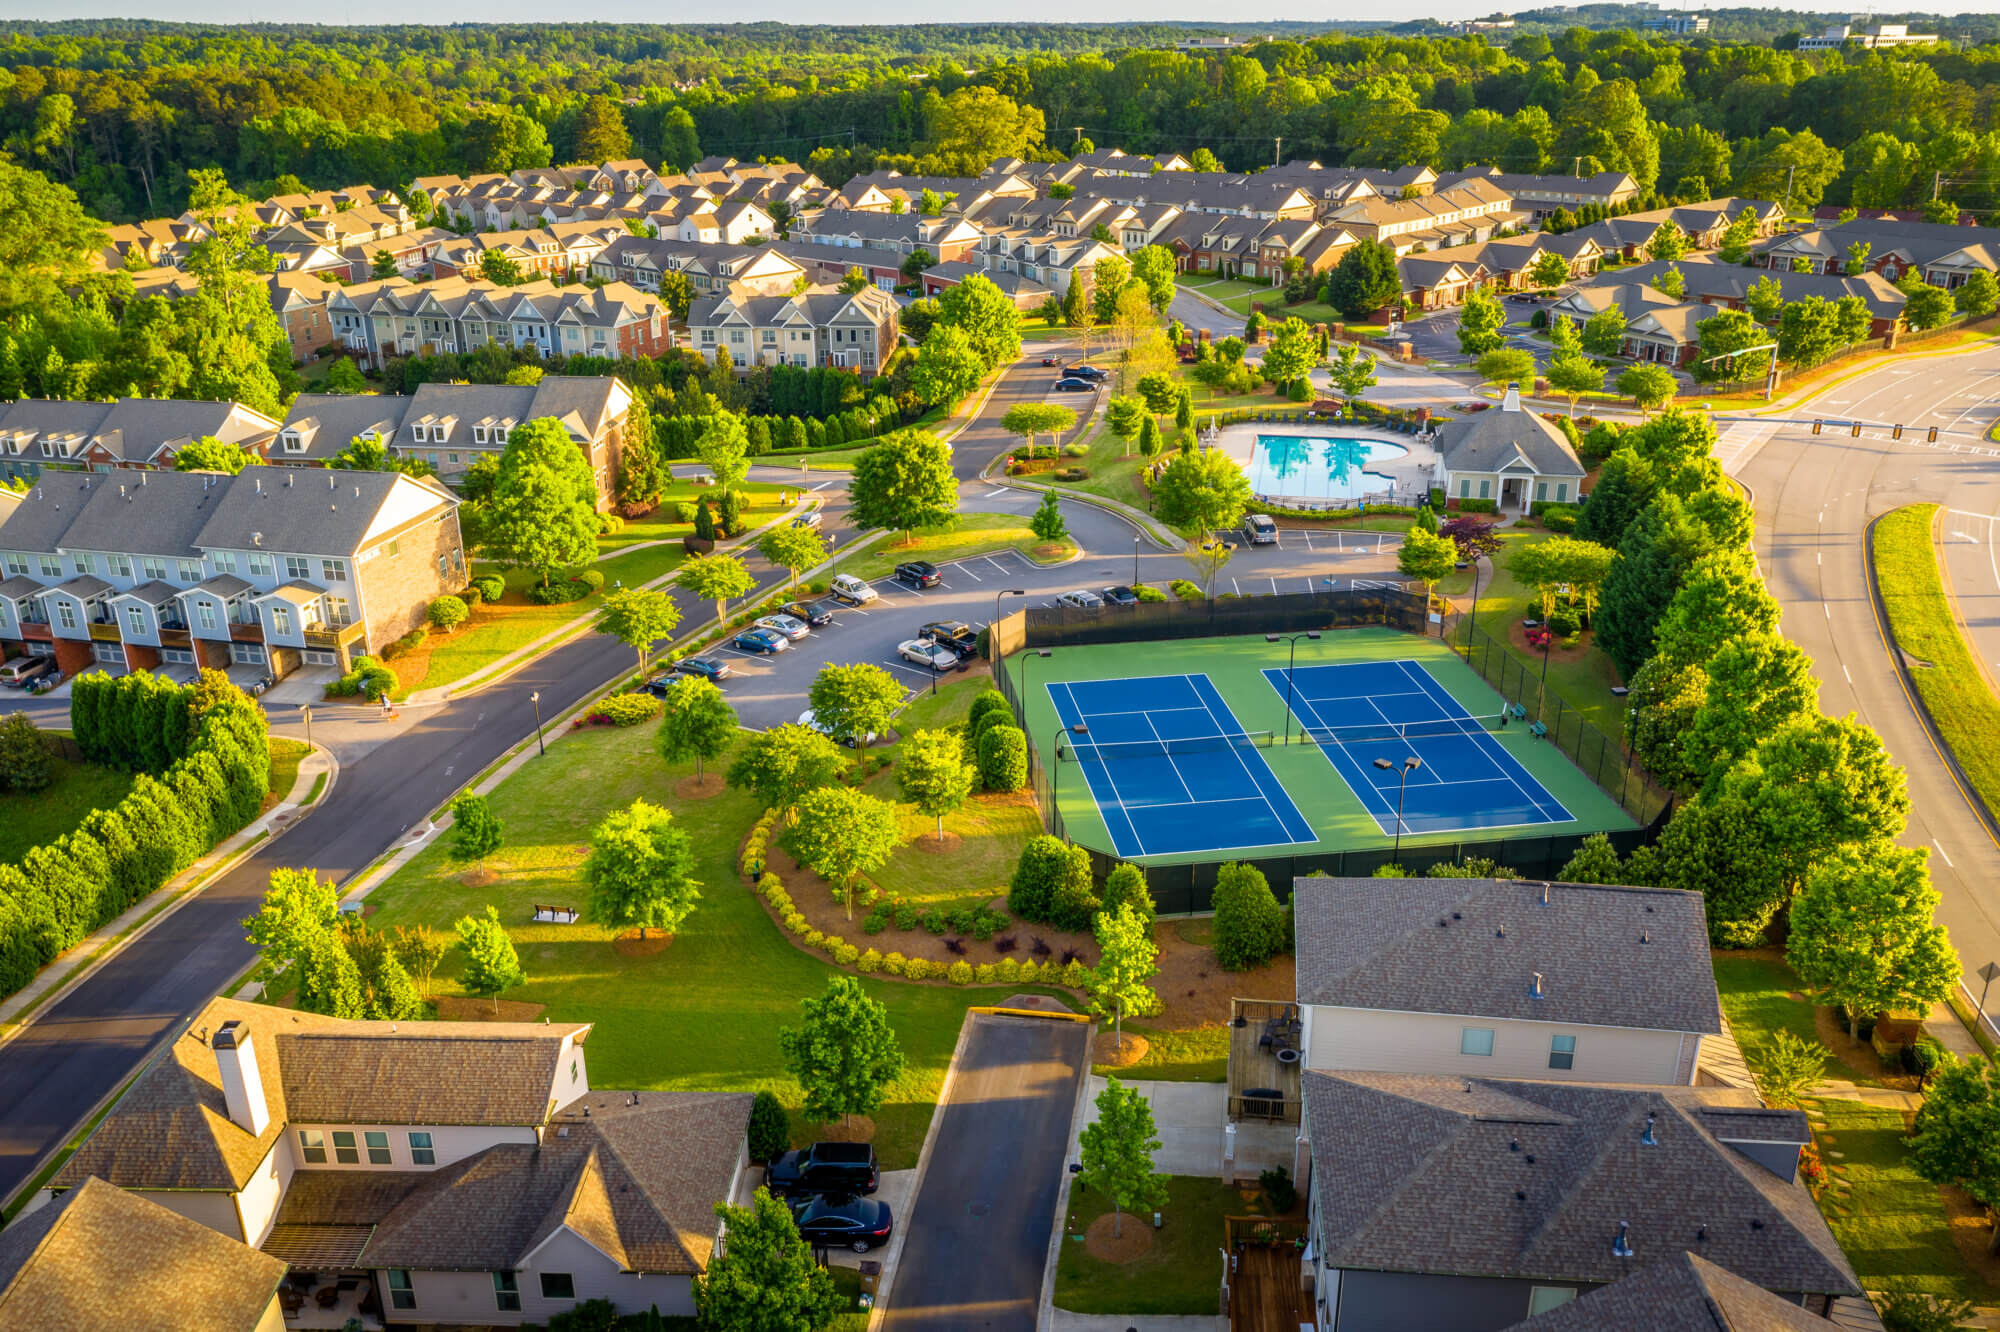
(1232, 292)
(822, 460)
(1925, 627)
(969, 534)
(1757, 998)
(991, 832)
(29, 821)
(1199, 1054)
(1586, 682)
(705, 1013)
(285, 758)
(1889, 1220)
(760, 506)
(1180, 1274)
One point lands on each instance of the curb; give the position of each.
(1045, 1309)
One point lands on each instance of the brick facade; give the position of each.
(399, 575)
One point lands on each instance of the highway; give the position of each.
(1815, 496)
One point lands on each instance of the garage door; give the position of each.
(177, 656)
(109, 653)
(319, 658)
(247, 654)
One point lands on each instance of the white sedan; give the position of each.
(789, 625)
(926, 653)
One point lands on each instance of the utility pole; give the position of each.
(1278, 151)
(1576, 166)
(1790, 171)
(1077, 131)
(1937, 182)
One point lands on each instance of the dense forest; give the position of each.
(121, 112)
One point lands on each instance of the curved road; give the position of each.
(1815, 496)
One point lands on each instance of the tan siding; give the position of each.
(1376, 1041)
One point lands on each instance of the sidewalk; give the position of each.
(76, 965)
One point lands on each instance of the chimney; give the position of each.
(1512, 402)
(242, 1087)
(1535, 990)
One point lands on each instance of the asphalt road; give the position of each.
(976, 1239)
(1815, 496)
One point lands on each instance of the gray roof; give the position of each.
(148, 513)
(222, 586)
(280, 508)
(155, 593)
(329, 422)
(1702, 276)
(1685, 1293)
(581, 403)
(134, 429)
(38, 522)
(1608, 956)
(1489, 440)
(298, 592)
(1532, 1180)
(83, 587)
(20, 585)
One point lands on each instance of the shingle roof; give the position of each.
(328, 422)
(638, 1181)
(1684, 1293)
(151, 513)
(426, 1073)
(45, 512)
(1378, 943)
(313, 511)
(1487, 441)
(1479, 1177)
(99, 1257)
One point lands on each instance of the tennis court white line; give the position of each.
(1172, 766)
(1116, 796)
(1538, 806)
(1248, 776)
(1372, 789)
(1138, 712)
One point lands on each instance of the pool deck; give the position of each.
(1403, 478)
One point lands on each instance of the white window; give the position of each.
(17, 565)
(339, 611)
(153, 566)
(479, 434)
(1562, 1052)
(420, 433)
(421, 1151)
(499, 434)
(225, 561)
(444, 567)
(281, 622)
(298, 566)
(333, 571)
(190, 571)
(312, 1145)
(204, 614)
(83, 564)
(260, 566)
(506, 1292)
(558, 1286)
(344, 1150)
(451, 457)
(1541, 1299)
(121, 567)
(66, 615)
(293, 444)
(1476, 1041)
(135, 620)
(378, 1147)
(401, 1294)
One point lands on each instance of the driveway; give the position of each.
(977, 1238)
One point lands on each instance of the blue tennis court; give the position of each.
(1170, 768)
(1357, 712)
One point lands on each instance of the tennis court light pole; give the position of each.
(1410, 765)
(1294, 640)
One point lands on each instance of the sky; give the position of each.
(787, 11)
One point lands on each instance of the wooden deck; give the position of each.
(1254, 1068)
(1268, 1296)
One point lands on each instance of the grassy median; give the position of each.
(1923, 625)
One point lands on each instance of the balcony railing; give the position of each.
(330, 637)
(102, 632)
(246, 633)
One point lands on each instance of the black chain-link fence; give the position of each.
(1188, 888)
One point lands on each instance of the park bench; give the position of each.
(556, 915)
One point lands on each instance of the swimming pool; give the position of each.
(1308, 468)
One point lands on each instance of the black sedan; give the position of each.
(851, 1223)
(708, 668)
(813, 613)
(1075, 386)
(1121, 596)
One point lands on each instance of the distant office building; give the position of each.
(1873, 37)
(1678, 24)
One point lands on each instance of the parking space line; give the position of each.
(996, 564)
(1238, 590)
(823, 485)
(968, 573)
(1309, 538)
(1274, 587)
(902, 665)
(1308, 582)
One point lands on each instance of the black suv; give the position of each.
(823, 1168)
(813, 613)
(960, 637)
(919, 573)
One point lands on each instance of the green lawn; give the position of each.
(1232, 292)
(969, 534)
(1889, 1220)
(1757, 997)
(760, 506)
(285, 758)
(1924, 625)
(821, 460)
(29, 821)
(704, 1014)
(1584, 683)
(1198, 1054)
(1181, 1274)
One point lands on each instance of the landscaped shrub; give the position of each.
(1003, 759)
(985, 701)
(414, 639)
(870, 961)
(770, 1128)
(491, 587)
(1075, 974)
(1051, 882)
(1070, 474)
(625, 709)
(1557, 517)
(1185, 590)
(26, 765)
(1249, 923)
(977, 730)
(1127, 884)
(895, 963)
(592, 579)
(986, 973)
(475, 829)
(959, 973)
(1477, 506)
(609, 524)
(1146, 593)
(447, 613)
(1279, 1189)
(560, 591)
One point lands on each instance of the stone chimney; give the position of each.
(1512, 402)
(242, 1085)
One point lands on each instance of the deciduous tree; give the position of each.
(1479, 323)
(844, 1052)
(903, 483)
(1201, 490)
(1427, 557)
(491, 965)
(764, 1278)
(858, 700)
(641, 870)
(1126, 960)
(696, 722)
(1862, 933)
(209, 454)
(782, 764)
(638, 617)
(1116, 1150)
(717, 578)
(793, 547)
(1956, 1136)
(933, 774)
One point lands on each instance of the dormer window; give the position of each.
(479, 434)
(499, 434)
(420, 433)
(293, 444)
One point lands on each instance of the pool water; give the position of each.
(1307, 468)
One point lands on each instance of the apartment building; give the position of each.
(1872, 37)
(818, 326)
(1461, 214)
(1946, 255)
(423, 1173)
(1543, 195)
(271, 568)
(377, 320)
(135, 433)
(639, 261)
(733, 222)
(943, 238)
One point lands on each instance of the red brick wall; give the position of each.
(73, 655)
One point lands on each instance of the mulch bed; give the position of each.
(931, 843)
(459, 1008)
(1197, 992)
(705, 787)
(1102, 1244)
(1105, 1051)
(478, 878)
(629, 944)
(1517, 634)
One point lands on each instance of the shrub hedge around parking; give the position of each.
(204, 759)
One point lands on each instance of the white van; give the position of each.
(852, 590)
(1259, 530)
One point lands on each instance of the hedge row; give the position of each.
(61, 892)
(1007, 971)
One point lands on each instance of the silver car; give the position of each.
(926, 653)
(789, 625)
(1080, 599)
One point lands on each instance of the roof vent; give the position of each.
(1529, 1158)
(1513, 1144)
(1756, 1223)
(288, 478)
(1535, 990)
(1443, 924)
(1543, 896)
(1468, 1086)
(1500, 933)
(1621, 1247)
(1648, 1138)
(1457, 916)
(256, 538)
(1520, 1196)
(332, 481)
(1645, 936)
(357, 492)
(258, 482)
(1701, 1232)
(121, 492)
(562, 1130)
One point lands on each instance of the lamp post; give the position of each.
(306, 714)
(1542, 692)
(1289, 662)
(1410, 765)
(1006, 592)
(1473, 617)
(536, 699)
(1025, 660)
(1135, 562)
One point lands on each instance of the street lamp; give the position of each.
(1055, 771)
(1293, 658)
(536, 699)
(1410, 765)
(1542, 695)
(1135, 561)
(306, 714)
(1473, 617)
(1006, 592)
(1025, 659)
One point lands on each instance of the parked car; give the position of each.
(926, 653)
(810, 518)
(1259, 530)
(814, 613)
(824, 1167)
(843, 1221)
(1081, 599)
(19, 671)
(791, 628)
(1121, 596)
(811, 719)
(708, 668)
(662, 685)
(851, 590)
(1075, 386)
(957, 635)
(760, 640)
(1051, 360)
(1081, 371)
(918, 573)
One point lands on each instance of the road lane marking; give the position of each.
(1940, 851)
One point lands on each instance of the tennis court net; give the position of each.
(1380, 732)
(1084, 751)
